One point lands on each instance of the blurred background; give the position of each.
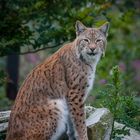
(32, 30)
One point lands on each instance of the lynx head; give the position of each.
(91, 42)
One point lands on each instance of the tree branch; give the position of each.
(34, 51)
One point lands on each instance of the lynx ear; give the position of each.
(104, 28)
(80, 28)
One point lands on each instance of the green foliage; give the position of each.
(2, 76)
(117, 133)
(4, 101)
(2, 135)
(39, 23)
(120, 103)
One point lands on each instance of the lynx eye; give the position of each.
(98, 40)
(86, 40)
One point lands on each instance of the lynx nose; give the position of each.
(92, 49)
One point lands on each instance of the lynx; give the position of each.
(51, 99)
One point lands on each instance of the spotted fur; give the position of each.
(53, 94)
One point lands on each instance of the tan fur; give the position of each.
(63, 80)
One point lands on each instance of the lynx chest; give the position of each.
(90, 82)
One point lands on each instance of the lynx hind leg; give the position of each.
(62, 118)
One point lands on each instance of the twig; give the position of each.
(34, 51)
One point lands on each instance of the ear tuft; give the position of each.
(80, 28)
(104, 28)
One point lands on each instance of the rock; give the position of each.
(4, 115)
(134, 135)
(3, 126)
(99, 123)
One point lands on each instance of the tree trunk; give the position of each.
(13, 73)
